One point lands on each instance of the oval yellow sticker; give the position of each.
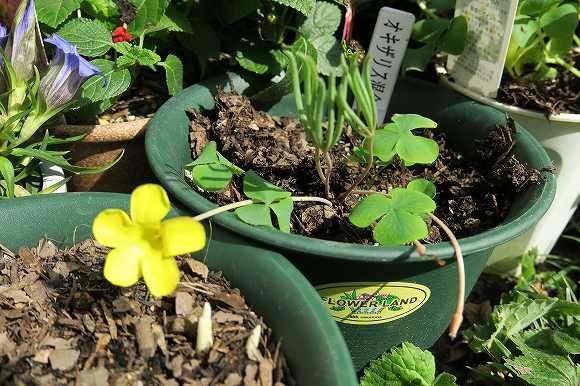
(372, 302)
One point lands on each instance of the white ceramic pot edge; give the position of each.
(560, 136)
(52, 174)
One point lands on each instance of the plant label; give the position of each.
(387, 49)
(489, 27)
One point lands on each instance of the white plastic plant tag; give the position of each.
(489, 27)
(387, 49)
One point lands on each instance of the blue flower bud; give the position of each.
(22, 48)
(66, 74)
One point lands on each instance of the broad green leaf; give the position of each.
(328, 54)
(411, 201)
(149, 13)
(100, 9)
(255, 214)
(90, 37)
(232, 11)
(134, 54)
(54, 12)
(424, 186)
(560, 22)
(173, 74)
(207, 156)
(304, 6)
(405, 366)
(369, 209)
(259, 58)
(454, 40)
(324, 19)
(111, 83)
(399, 227)
(260, 190)
(213, 177)
(224, 161)
(525, 30)
(7, 172)
(429, 30)
(417, 59)
(408, 122)
(283, 209)
(535, 7)
(417, 150)
(540, 369)
(568, 338)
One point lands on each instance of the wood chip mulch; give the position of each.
(62, 323)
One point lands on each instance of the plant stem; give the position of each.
(318, 166)
(239, 204)
(568, 66)
(328, 160)
(370, 149)
(430, 14)
(457, 317)
(422, 251)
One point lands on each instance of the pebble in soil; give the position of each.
(62, 323)
(473, 195)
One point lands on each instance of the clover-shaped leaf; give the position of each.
(212, 171)
(267, 198)
(397, 138)
(424, 186)
(400, 215)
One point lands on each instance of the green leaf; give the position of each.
(7, 172)
(111, 83)
(283, 209)
(173, 74)
(424, 186)
(405, 366)
(454, 40)
(328, 54)
(535, 7)
(207, 156)
(417, 150)
(568, 339)
(134, 54)
(175, 20)
(417, 59)
(540, 369)
(149, 13)
(54, 12)
(260, 190)
(213, 177)
(399, 227)
(429, 30)
(525, 30)
(232, 11)
(255, 214)
(369, 209)
(560, 22)
(58, 159)
(324, 19)
(304, 6)
(408, 122)
(90, 37)
(259, 58)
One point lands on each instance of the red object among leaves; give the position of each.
(120, 34)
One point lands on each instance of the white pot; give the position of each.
(52, 174)
(559, 134)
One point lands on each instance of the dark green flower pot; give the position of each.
(313, 345)
(422, 294)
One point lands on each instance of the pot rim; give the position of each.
(300, 244)
(560, 117)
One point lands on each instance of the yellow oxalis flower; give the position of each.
(144, 245)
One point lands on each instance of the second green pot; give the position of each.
(379, 296)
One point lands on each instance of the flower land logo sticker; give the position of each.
(371, 302)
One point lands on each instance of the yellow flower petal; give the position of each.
(123, 266)
(149, 204)
(182, 235)
(161, 275)
(113, 228)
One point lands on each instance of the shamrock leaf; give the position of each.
(424, 186)
(397, 138)
(268, 199)
(211, 171)
(400, 215)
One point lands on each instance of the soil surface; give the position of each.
(62, 323)
(472, 195)
(560, 95)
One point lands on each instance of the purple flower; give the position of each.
(22, 48)
(3, 36)
(66, 73)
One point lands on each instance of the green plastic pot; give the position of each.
(425, 294)
(313, 345)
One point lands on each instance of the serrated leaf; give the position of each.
(111, 83)
(7, 172)
(149, 13)
(304, 6)
(540, 369)
(568, 339)
(259, 58)
(445, 379)
(135, 54)
(260, 190)
(328, 54)
(255, 214)
(173, 74)
(213, 177)
(90, 37)
(323, 20)
(54, 12)
(283, 210)
(424, 186)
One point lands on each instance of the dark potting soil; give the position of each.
(472, 195)
(560, 95)
(62, 323)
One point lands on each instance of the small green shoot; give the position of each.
(404, 366)
(400, 215)
(211, 171)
